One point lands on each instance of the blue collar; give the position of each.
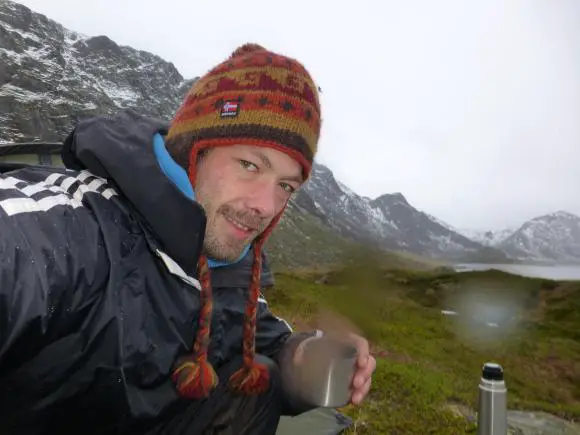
(179, 177)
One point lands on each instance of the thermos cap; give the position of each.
(492, 372)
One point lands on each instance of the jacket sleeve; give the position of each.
(48, 258)
(272, 332)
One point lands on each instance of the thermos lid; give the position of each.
(492, 372)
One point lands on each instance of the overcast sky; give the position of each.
(471, 109)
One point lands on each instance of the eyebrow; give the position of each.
(266, 162)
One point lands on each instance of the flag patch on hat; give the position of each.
(230, 109)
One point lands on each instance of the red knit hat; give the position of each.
(259, 98)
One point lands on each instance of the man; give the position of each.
(130, 282)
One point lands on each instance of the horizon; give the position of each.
(518, 83)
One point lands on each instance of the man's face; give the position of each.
(242, 188)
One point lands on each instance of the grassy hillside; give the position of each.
(301, 240)
(428, 363)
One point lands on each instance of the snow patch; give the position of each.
(25, 35)
(120, 95)
(19, 94)
(487, 237)
(440, 222)
(345, 189)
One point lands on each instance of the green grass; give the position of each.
(301, 240)
(427, 361)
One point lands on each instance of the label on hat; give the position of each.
(230, 109)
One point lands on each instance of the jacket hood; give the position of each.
(120, 149)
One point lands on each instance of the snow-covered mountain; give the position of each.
(552, 237)
(488, 237)
(387, 221)
(50, 76)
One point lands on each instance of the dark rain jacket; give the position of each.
(98, 288)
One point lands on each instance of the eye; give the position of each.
(249, 166)
(289, 189)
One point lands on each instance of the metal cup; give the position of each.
(326, 372)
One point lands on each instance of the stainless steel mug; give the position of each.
(326, 373)
(492, 401)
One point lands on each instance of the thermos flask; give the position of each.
(492, 401)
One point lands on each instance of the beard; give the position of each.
(218, 245)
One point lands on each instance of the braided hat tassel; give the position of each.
(194, 376)
(253, 378)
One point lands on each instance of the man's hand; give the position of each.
(365, 365)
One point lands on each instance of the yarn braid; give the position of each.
(194, 376)
(253, 378)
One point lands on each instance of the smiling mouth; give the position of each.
(240, 226)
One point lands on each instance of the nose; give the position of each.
(262, 198)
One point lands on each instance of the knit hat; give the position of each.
(258, 98)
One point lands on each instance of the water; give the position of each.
(484, 317)
(555, 272)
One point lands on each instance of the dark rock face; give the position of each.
(51, 76)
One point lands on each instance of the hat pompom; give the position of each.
(251, 380)
(247, 49)
(194, 379)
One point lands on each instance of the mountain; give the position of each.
(51, 76)
(388, 221)
(488, 237)
(552, 237)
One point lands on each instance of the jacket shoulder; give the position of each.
(54, 216)
(44, 193)
(51, 250)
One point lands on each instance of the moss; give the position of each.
(426, 359)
